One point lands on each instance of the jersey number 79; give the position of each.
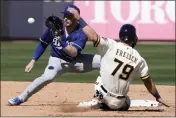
(126, 71)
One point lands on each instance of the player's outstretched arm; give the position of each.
(40, 49)
(91, 33)
(103, 44)
(143, 71)
(29, 66)
(38, 52)
(152, 89)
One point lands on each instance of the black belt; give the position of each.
(110, 93)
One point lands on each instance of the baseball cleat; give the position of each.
(90, 104)
(15, 101)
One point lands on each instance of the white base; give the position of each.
(144, 103)
(134, 103)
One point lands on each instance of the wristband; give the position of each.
(82, 23)
(156, 95)
(96, 43)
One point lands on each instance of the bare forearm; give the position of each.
(151, 88)
(91, 34)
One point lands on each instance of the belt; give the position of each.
(119, 97)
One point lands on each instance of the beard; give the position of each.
(67, 23)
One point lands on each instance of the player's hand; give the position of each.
(75, 13)
(30, 66)
(160, 100)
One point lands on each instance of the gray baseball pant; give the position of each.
(56, 66)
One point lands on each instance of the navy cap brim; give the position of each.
(67, 13)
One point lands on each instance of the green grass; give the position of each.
(15, 56)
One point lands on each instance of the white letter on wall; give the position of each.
(99, 13)
(170, 9)
(146, 13)
(117, 11)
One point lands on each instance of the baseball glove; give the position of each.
(55, 25)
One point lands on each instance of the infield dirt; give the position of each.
(60, 99)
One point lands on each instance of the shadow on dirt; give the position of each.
(71, 107)
(147, 110)
(70, 104)
(37, 105)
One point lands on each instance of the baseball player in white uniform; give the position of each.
(120, 63)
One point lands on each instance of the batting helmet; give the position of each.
(128, 34)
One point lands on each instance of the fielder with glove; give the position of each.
(67, 40)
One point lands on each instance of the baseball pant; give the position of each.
(56, 66)
(113, 101)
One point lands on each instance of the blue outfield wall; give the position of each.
(18, 12)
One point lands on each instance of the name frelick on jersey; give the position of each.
(126, 55)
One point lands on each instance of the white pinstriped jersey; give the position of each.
(120, 63)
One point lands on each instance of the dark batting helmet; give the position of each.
(128, 34)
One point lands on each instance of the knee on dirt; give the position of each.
(120, 106)
(126, 105)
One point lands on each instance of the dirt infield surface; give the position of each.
(59, 99)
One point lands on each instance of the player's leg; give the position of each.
(126, 104)
(96, 101)
(101, 99)
(105, 101)
(86, 63)
(116, 103)
(53, 67)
